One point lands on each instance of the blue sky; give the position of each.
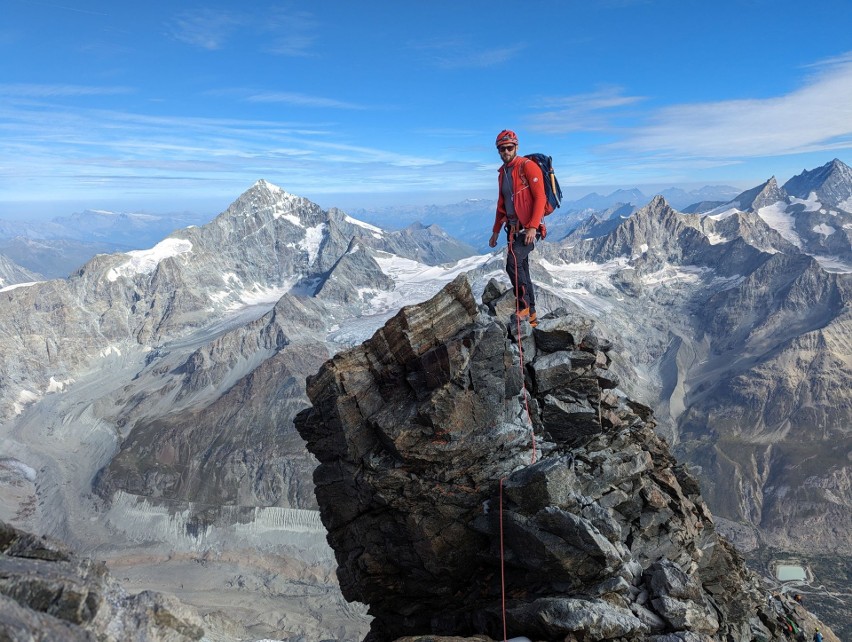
(162, 106)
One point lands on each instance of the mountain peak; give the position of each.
(263, 185)
(757, 197)
(831, 183)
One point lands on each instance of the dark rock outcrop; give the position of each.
(452, 478)
(49, 594)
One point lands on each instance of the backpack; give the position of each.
(551, 185)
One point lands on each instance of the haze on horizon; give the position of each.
(162, 108)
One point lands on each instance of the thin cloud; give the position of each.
(595, 111)
(24, 90)
(293, 32)
(815, 117)
(280, 31)
(460, 54)
(207, 28)
(157, 145)
(302, 100)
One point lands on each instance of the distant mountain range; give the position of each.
(472, 219)
(57, 247)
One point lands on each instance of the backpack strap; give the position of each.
(523, 173)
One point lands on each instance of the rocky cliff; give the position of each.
(48, 593)
(479, 478)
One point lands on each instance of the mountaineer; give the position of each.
(521, 204)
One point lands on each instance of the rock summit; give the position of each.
(482, 477)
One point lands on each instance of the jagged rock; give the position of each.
(436, 493)
(47, 593)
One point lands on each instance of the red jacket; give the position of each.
(529, 197)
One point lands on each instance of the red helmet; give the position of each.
(507, 137)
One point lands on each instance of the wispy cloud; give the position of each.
(84, 148)
(206, 28)
(460, 54)
(301, 100)
(283, 31)
(293, 32)
(25, 90)
(595, 111)
(815, 117)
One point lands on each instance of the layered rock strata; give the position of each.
(453, 479)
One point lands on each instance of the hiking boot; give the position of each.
(529, 316)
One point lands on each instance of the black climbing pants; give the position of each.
(518, 268)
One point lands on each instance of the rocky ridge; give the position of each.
(440, 456)
(12, 273)
(743, 349)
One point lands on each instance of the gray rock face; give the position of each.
(48, 593)
(832, 184)
(750, 360)
(766, 194)
(444, 467)
(12, 273)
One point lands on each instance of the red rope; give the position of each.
(502, 565)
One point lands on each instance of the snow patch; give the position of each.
(110, 351)
(58, 386)
(25, 398)
(777, 217)
(414, 282)
(19, 285)
(811, 203)
(723, 211)
(825, 230)
(313, 240)
(146, 261)
(674, 273)
(846, 205)
(716, 239)
(378, 232)
(295, 220)
(262, 295)
(586, 284)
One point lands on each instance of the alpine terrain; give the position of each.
(147, 401)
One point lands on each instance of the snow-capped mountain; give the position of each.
(811, 211)
(166, 380)
(830, 184)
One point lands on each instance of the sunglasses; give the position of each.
(505, 148)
